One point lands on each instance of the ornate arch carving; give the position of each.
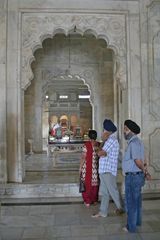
(87, 76)
(38, 26)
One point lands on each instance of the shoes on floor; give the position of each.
(97, 215)
(119, 212)
(125, 229)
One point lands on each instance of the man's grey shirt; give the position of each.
(134, 150)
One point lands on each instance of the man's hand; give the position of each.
(148, 176)
(139, 164)
(102, 153)
(143, 167)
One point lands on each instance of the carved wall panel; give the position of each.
(154, 57)
(154, 150)
(38, 26)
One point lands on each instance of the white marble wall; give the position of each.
(150, 61)
(3, 39)
(133, 36)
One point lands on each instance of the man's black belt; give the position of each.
(133, 173)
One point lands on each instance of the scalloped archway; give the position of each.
(38, 27)
(112, 28)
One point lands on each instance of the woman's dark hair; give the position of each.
(92, 134)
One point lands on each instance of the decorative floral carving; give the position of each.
(88, 74)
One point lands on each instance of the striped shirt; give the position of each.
(109, 163)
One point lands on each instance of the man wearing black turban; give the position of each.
(133, 168)
(132, 126)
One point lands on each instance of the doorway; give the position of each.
(65, 69)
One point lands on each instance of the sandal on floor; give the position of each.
(97, 215)
(125, 229)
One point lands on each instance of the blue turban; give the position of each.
(109, 126)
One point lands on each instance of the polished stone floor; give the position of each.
(72, 221)
(54, 218)
(59, 168)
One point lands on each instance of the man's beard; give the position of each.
(128, 136)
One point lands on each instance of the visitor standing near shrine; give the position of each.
(108, 164)
(133, 168)
(89, 169)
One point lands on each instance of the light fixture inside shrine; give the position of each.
(67, 73)
(68, 70)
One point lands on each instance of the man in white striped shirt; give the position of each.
(108, 164)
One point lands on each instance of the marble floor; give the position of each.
(59, 168)
(62, 167)
(72, 221)
(66, 218)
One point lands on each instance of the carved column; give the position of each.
(154, 59)
(151, 110)
(14, 121)
(37, 136)
(3, 154)
(122, 105)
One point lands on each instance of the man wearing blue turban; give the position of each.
(108, 164)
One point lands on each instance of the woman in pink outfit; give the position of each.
(89, 169)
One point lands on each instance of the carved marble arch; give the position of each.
(82, 76)
(37, 28)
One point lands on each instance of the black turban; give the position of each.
(92, 134)
(132, 126)
(109, 126)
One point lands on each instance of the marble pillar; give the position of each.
(37, 136)
(3, 78)
(13, 103)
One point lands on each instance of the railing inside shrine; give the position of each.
(72, 146)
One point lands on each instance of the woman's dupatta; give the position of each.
(89, 155)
